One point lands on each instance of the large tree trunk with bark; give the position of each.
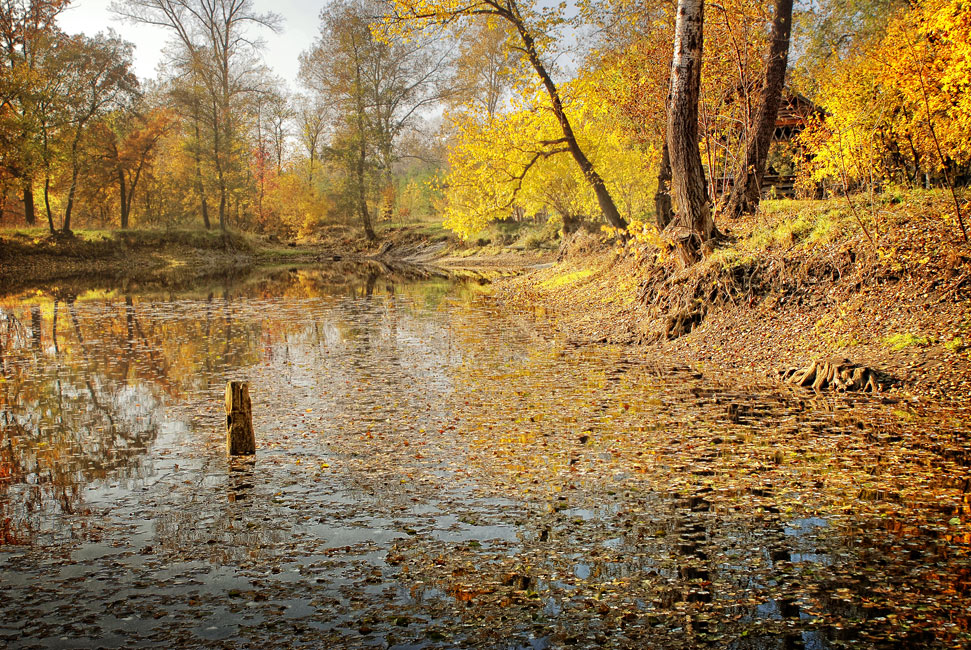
(693, 226)
(747, 189)
(30, 213)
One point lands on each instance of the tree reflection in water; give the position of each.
(433, 472)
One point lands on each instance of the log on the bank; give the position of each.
(841, 375)
(240, 439)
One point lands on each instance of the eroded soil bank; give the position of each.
(799, 283)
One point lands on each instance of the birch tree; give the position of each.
(693, 226)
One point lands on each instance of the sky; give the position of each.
(300, 27)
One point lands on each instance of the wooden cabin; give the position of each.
(795, 111)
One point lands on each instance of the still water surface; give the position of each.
(433, 471)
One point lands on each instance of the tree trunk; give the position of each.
(47, 202)
(747, 189)
(123, 199)
(362, 150)
(662, 198)
(220, 178)
(571, 223)
(693, 222)
(30, 215)
(362, 195)
(604, 199)
(222, 206)
(66, 226)
(199, 184)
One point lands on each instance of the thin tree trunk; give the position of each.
(220, 179)
(47, 202)
(123, 199)
(222, 206)
(362, 195)
(747, 189)
(202, 190)
(662, 198)
(362, 150)
(604, 199)
(66, 226)
(693, 218)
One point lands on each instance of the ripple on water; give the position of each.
(433, 473)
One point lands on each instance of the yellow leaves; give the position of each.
(892, 105)
(517, 162)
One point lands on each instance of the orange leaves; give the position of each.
(891, 101)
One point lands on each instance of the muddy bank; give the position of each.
(175, 258)
(409, 245)
(800, 284)
(181, 258)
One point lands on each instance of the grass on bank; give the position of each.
(896, 287)
(99, 243)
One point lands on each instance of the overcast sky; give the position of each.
(300, 26)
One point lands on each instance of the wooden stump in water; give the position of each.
(240, 439)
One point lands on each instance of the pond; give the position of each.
(435, 470)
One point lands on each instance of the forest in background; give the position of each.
(472, 113)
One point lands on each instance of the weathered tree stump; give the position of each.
(841, 375)
(240, 439)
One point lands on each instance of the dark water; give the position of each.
(435, 472)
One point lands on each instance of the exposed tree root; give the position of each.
(679, 299)
(841, 375)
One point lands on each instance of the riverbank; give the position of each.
(31, 258)
(801, 282)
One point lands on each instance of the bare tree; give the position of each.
(376, 90)
(217, 47)
(485, 68)
(311, 116)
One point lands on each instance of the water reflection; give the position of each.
(431, 472)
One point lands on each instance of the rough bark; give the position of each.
(693, 226)
(240, 439)
(747, 189)
(662, 198)
(30, 214)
